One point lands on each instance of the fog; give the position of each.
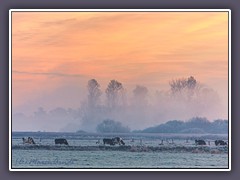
(138, 107)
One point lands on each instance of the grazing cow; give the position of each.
(220, 142)
(108, 141)
(121, 142)
(61, 141)
(113, 141)
(118, 140)
(29, 140)
(200, 142)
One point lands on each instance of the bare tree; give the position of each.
(191, 82)
(94, 93)
(140, 95)
(185, 87)
(40, 113)
(115, 94)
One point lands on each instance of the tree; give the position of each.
(219, 126)
(184, 88)
(111, 126)
(197, 125)
(115, 94)
(40, 113)
(140, 95)
(94, 93)
(198, 122)
(58, 112)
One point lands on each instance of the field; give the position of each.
(140, 151)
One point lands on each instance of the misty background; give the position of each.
(117, 108)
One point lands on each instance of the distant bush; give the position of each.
(111, 126)
(193, 131)
(195, 125)
(81, 131)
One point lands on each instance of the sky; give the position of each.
(54, 54)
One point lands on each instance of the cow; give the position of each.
(108, 141)
(98, 142)
(220, 142)
(200, 142)
(29, 140)
(118, 140)
(113, 141)
(61, 141)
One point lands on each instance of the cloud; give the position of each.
(48, 74)
(146, 48)
(59, 22)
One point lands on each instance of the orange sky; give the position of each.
(52, 50)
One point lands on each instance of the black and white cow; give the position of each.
(220, 142)
(61, 141)
(29, 140)
(113, 141)
(119, 141)
(200, 142)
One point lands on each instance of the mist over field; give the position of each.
(133, 109)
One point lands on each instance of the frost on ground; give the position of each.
(165, 148)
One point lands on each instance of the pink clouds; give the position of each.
(130, 46)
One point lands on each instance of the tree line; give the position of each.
(111, 109)
(197, 125)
